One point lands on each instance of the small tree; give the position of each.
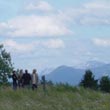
(89, 81)
(105, 84)
(5, 65)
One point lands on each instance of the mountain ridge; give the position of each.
(72, 75)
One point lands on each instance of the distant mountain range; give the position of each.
(74, 75)
(65, 74)
(90, 64)
(46, 71)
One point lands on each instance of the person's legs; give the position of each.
(14, 86)
(34, 86)
(18, 83)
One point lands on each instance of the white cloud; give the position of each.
(90, 13)
(54, 43)
(13, 46)
(102, 42)
(40, 6)
(96, 12)
(56, 24)
(34, 25)
(16, 47)
(94, 21)
(98, 5)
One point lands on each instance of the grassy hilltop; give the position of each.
(56, 98)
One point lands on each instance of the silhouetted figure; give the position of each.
(20, 75)
(14, 78)
(34, 79)
(26, 78)
(44, 82)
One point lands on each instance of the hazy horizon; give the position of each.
(49, 33)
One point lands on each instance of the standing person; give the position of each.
(44, 83)
(34, 79)
(14, 78)
(26, 78)
(20, 78)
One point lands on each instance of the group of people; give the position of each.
(25, 80)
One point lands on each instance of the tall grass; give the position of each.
(59, 97)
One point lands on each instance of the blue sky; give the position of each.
(49, 33)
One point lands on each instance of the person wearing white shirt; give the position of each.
(34, 79)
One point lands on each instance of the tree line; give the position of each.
(88, 81)
(6, 66)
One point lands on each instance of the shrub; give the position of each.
(105, 84)
(89, 81)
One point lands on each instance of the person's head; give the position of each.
(26, 71)
(21, 71)
(14, 72)
(34, 70)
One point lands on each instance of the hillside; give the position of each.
(56, 98)
(73, 76)
(66, 74)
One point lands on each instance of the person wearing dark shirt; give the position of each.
(44, 83)
(14, 79)
(26, 78)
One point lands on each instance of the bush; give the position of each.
(5, 65)
(105, 84)
(89, 81)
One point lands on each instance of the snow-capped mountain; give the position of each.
(91, 64)
(46, 71)
(73, 75)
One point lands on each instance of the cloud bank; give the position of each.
(102, 42)
(13, 46)
(39, 6)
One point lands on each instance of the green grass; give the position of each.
(55, 98)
